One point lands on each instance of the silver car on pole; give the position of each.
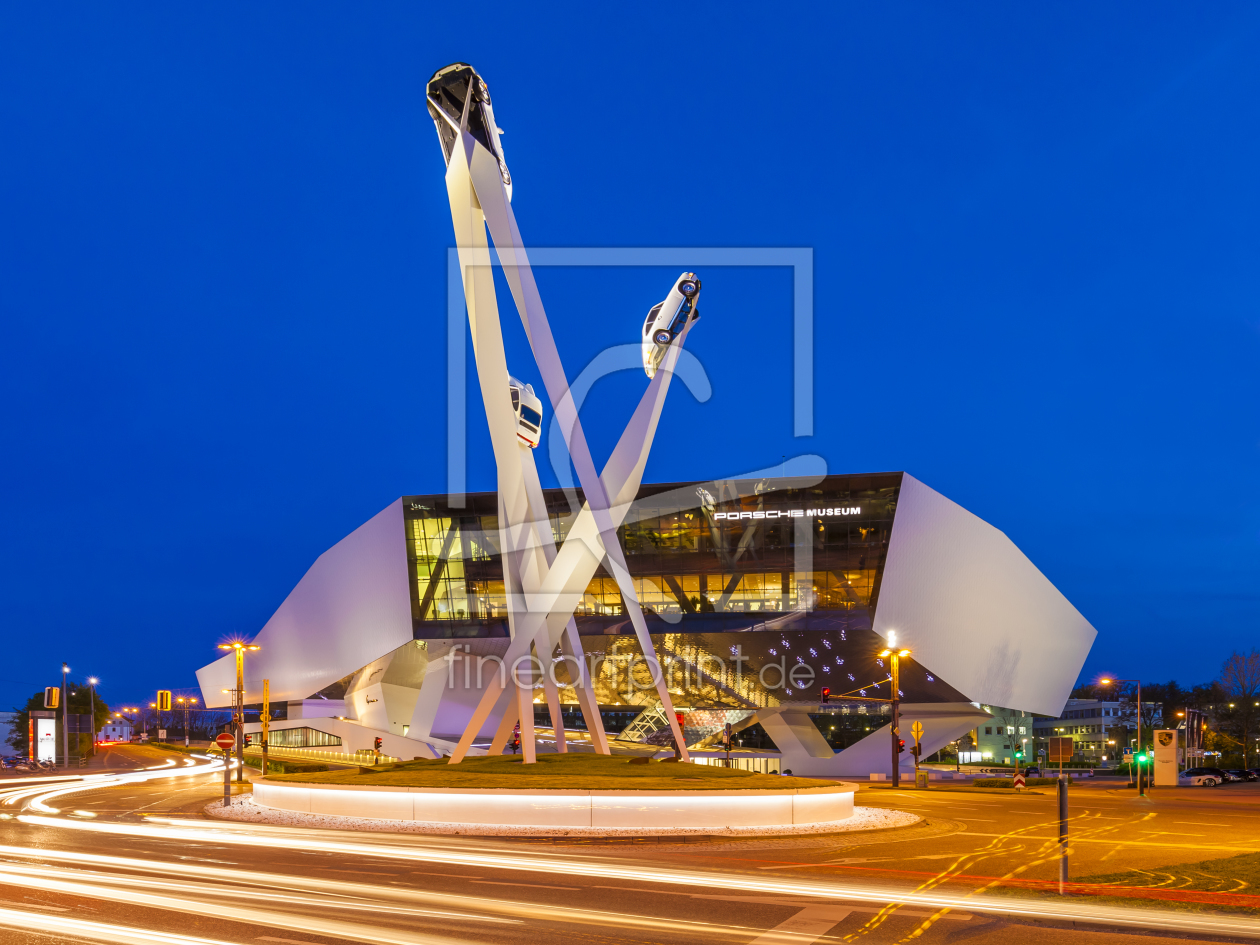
(667, 319)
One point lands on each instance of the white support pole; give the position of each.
(544, 579)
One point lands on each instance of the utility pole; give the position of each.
(239, 704)
(92, 681)
(65, 718)
(265, 718)
(895, 655)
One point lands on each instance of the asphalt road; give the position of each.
(137, 861)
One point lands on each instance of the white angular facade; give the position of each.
(757, 594)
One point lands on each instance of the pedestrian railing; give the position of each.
(364, 756)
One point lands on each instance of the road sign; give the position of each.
(225, 741)
(916, 730)
(1060, 749)
(1019, 781)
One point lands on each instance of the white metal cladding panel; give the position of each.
(975, 610)
(351, 607)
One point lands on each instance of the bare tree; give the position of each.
(1240, 678)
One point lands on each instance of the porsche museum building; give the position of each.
(758, 594)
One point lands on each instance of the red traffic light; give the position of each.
(377, 744)
(826, 693)
(901, 745)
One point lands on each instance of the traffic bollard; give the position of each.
(1063, 835)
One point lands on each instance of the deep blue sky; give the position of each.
(222, 287)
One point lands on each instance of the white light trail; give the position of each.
(38, 922)
(559, 863)
(48, 881)
(39, 795)
(329, 894)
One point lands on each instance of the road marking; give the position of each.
(977, 820)
(804, 928)
(1199, 823)
(491, 882)
(292, 941)
(1130, 843)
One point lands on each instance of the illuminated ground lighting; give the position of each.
(579, 810)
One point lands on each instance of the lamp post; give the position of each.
(1107, 682)
(65, 718)
(92, 681)
(186, 704)
(239, 708)
(895, 656)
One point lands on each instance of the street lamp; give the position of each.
(895, 655)
(186, 704)
(65, 718)
(1138, 683)
(92, 681)
(239, 708)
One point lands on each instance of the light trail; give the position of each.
(42, 924)
(37, 796)
(560, 863)
(324, 894)
(47, 880)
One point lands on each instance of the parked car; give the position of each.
(1245, 774)
(667, 319)
(1207, 777)
(1032, 771)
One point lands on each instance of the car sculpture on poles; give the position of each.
(528, 409)
(451, 104)
(667, 319)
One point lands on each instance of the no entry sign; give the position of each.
(225, 741)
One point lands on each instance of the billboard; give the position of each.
(1165, 766)
(45, 739)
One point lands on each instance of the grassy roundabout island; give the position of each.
(567, 772)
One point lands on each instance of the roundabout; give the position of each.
(569, 795)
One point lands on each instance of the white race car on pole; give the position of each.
(666, 320)
(528, 409)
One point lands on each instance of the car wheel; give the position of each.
(688, 288)
(1209, 782)
(663, 337)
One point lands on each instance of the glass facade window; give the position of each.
(753, 594)
(733, 547)
(301, 738)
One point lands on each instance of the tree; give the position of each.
(1009, 722)
(78, 702)
(1240, 679)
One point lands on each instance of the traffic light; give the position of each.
(1019, 754)
(901, 745)
(164, 700)
(249, 740)
(52, 697)
(916, 749)
(826, 693)
(376, 744)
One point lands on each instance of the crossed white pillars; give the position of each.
(543, 582)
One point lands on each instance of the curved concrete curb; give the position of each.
(698, 810)
(245, 810)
